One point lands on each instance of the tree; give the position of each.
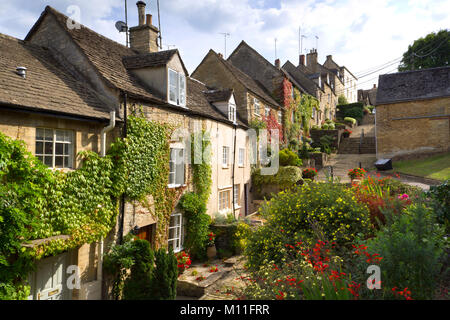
(429, 52)
(342, 100)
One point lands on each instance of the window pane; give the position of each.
(39, 147)
(59, 162)
(49, 148)
(59, 135)
(66, 149)
(173, 86)
(67, 162)
(48, 161)
(182, 89)
(68, 137)
(41, 158)
(59, 148)
(48, 134)
(39, 134)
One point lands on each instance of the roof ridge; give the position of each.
(412, 71)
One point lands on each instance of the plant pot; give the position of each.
(211, 252)
(356, 181)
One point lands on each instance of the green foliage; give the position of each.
(197, 225)
(257, 124)
(289, 158)
(342, 100)
(440, 196)
(138, 285)
(411, 246)
(164, 281)
(296, 213)
(307, 103)
(349, 119)
(353, 110)
(430, 52)
(286, 177)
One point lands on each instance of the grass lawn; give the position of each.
(435, 167)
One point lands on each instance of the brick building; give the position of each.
(413, 113)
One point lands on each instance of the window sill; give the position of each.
(174, 186)
(225, 167)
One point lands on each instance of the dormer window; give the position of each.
(177, 88)
(232, 112)
(257, 106)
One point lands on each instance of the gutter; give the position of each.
(124, 135)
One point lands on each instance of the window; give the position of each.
(279, 116)
(176, 172)
(54, 147)
(236, 193)
(256, 106)
(293, 116)
(313, 113)
(176, 232)
(225, 156)
(232, 112)
(177, 88)
(224, 200)
(267, 111)
(241, 157)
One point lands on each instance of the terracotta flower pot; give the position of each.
(211, 252)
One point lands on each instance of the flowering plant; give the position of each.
(211, 239)
(309, 173)
(356, 173)
(183, 261)
(213, 269)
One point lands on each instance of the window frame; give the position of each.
(179, 233)
(54, 141)
(225, 156)
(181, 97)
(236, 197)
(232, 112)
(222, 200)
(266, 112)
(175, 183)
(241, 157)
(280, 117)
(257, 107)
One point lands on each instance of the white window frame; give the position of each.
(241, 160)
(179, 233)
(225, 156)
(237, 200)
(174, 183)
(313, 115)
(180, 99)
(226, 201)
(257, 107)
(280, 117)
(267, 111)
(54, 141)
(232, 112)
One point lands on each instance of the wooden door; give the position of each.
(49, 279)
(146, 233)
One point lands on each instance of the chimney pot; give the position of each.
(374, 86)
(278, 63)
(221, 55)
(141, 12)
(302, 59)
(149, 20)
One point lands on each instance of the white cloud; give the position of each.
(359, 34)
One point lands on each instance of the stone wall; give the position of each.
(413, 128)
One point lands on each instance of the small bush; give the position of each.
(289, 158)
(296, 213)
(165, 275)
(351, 120)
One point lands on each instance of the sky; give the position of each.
(360, 35)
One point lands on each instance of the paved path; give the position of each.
(341, 163)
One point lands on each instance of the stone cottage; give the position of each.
(413, 113)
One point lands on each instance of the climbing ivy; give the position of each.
(82, 205)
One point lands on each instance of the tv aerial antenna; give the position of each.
(123, 26)
(225, 35)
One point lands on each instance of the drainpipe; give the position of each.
(125, 117)
(105, 130)
(232, 175)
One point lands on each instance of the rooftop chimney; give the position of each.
(144, 37)
(374, 86)
(278, 63)
(311, 59)
(302, 59)
(220, 55)
(141, 12)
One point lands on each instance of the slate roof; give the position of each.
(218, 95)
(154, 59)
(198, 102)
(413, 85)
(309, 85)
(48, 86)
(247, 81)
(368, 96)
(105, 55)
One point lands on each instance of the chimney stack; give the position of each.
(278, 63)
(374, 86)
(311, 59)
(220, 55)
(302, 59)
(144, 37)
(141, 12)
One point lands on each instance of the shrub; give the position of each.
(411, 247)
(296, 213)
(289, 158)
(356, 173)
(286, 177)
(342, 100)
(353, 110)
(138, 284)
(309, 173)
(440, 196)
(197, 225)
(165, 275)
(351, 120)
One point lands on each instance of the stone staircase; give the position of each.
(368, 145)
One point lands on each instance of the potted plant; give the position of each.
(346, 133)
(183, 261)
(211, 251)
(309, 173)
(356, 174)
